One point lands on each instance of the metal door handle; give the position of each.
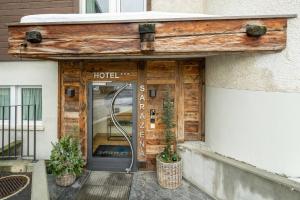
(119, 127)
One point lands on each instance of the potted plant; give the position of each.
(66, 161)
(168, 162)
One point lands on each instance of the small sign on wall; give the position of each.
(110, 75)
(141, 126)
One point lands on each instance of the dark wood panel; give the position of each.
(25, 12)
(180, 101)
(161, 77)
(36, 5)
(7, 19)
(191, 127)
(192, 116)
(12, 10)
(24, 1)
(192, 83)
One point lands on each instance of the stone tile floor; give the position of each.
(65, 193)
(144, 187)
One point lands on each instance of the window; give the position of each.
(27, 96)
(32, 96)
(103, 6)
(97, 6)
(4, 101)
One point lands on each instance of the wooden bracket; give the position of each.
(255, 30)
(34, 37)
(147, 36)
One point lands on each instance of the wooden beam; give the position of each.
(171, 38)
(180, 102)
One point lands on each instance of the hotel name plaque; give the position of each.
(141, 126)
(110, 75)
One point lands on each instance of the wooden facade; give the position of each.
(184, 78)
(160, 54)
(122, 39)
(12, 10)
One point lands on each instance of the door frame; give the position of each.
(107, 163)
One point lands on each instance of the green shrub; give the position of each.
(66, 157)
(169, 155)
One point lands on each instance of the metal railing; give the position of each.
(18, 132)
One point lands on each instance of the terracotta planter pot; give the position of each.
(169, 175)
(65, 180)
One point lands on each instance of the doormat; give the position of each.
(106, 186)
(112, 151)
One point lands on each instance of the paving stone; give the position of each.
(116, 186)
(145, 187)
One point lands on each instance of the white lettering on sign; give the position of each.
(142, 106)
(142, 88)
(142, 125)
(109, 75)
(142, 120)
(142, 116)
(142, 97)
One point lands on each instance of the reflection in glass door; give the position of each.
(111, 126)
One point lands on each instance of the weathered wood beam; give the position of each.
(171, 38)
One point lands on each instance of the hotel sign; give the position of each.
(141, 126)
(110, 75)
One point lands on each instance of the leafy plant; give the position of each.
(169, 155)
(66, 157)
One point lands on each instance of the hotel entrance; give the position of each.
(112, 126)
(117, 108)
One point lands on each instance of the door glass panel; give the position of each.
(108, 141)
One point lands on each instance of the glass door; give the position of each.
(112, 126)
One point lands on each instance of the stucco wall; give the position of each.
(260, 128)
(37, 73)
(227, 179)
(267, 72)
(252, 103)
(192, 6)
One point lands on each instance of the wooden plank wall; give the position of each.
(184, 79)
(12, 11)
(193, 82)
(161, 76)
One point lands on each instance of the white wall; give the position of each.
(252, 102)
(37, 73)
(227, 179)
(260, 128)
(191, 6)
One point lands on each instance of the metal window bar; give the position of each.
(12, 141)
(2, 149)
(16, 117)
(28, 117)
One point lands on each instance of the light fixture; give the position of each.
(152, 92)
(70, 92)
